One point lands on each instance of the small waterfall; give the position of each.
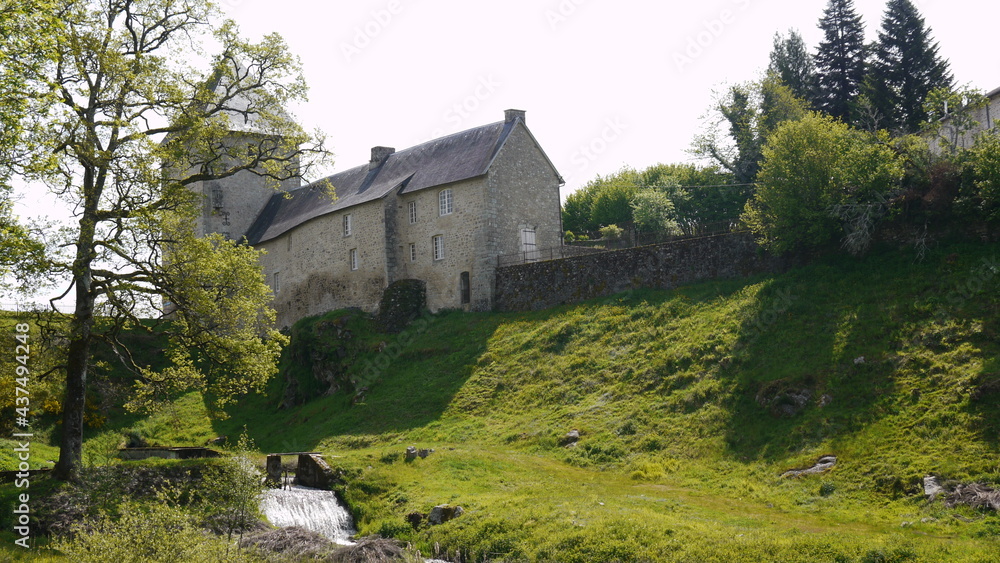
(312, 509)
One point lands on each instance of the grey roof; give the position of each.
(453, 158)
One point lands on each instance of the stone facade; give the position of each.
(440, 212)
(541, 285)
(985, 116)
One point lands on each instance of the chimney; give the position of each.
(379, 154)
(512, 114)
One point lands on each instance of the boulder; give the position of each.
(443, 513)
(822, 465)
(411, 453)
(932, 487)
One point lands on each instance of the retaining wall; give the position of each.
(540, 285)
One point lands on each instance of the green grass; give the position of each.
(680, 398)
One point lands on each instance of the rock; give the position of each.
(411, 453)
(824, 463)
(415, 519)
(313, 471)
(424, 453)
(443, 513)
(273, 466)
(825, 400)
(932, 488)
(571, 438)
(859, 360)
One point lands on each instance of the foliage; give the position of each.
(951, 114)
(698, 194)
(750, 113)
(985, 161)
(904, 69)
(115, 118)
(653, 211)
(611, 232)
(148, 533)
(792, 63)
(810, 167)
(840, 59)
(233, 489)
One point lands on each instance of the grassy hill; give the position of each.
(690, 404)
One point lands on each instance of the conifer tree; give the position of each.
(793, 65)
(840, 59)
(905, 68)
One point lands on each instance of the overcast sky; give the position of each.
(604, 84)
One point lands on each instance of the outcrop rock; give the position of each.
(443, 513)
(824, 464)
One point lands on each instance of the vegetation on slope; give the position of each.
(689, 404)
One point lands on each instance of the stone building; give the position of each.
(985, 116)
(441, 212)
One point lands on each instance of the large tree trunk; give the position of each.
(78, 355)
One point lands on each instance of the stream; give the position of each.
(312, 509)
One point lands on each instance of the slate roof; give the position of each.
(460, 156)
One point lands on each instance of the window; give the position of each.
(354, 258)
(277, 282)
(528, 244)
(438, 247)
(444, 202)
(347, 225)
(465, 287)
(413, 211)
(413, 252)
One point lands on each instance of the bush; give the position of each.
(148, 534)
(611, 232)
(814, 170)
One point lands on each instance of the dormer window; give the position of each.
(445, 202)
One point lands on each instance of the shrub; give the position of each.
(611, 232)
(148, 534)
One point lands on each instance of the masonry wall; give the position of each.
(230, 205)
(985, 116)
(540, 285)
(460, 231)
(522, 192)
(312, 262)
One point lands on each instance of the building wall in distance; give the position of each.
(312, 262)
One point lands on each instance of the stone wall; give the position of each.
(312, 262)
(522, 192)
(540, 285)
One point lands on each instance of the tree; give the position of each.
(840, 59)
(905, 68)
(951, 114)
(793, 65)
(118, 120)
(812, 169)
(22, 27)
(653, 211)
(751, 113)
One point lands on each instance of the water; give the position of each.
(312, 509)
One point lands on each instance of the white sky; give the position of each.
(629, 79)
(604, 83)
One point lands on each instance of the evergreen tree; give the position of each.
(793, 65)
(840, 59)
(905, 68)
